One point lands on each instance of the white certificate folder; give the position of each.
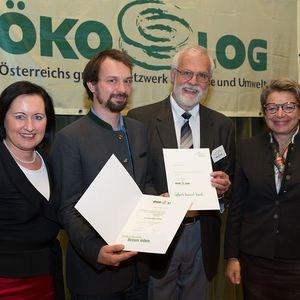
(188, 176)
(114, 205)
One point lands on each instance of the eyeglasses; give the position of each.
(287, 107)
(200, 76)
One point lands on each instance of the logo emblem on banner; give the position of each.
(152, 31)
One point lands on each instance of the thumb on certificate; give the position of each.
(166, 194)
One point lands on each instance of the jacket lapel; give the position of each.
(165, 126)
(268, 159)
(23, 185)
(206, 125)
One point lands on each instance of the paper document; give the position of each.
(188, 176)
(114, 205)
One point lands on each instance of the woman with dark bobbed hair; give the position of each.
(30, 254)
(262, 241)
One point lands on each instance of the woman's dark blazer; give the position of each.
(260, 221)
(28, 225)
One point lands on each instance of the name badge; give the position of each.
(218, 154)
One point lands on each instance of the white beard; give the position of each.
(188, 102)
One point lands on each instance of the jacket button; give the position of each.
(275, 216)
(277, 202)
(288, 177)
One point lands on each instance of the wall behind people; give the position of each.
(251, 41)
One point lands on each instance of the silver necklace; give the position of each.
(19, 159)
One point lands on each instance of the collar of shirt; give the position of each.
(122, 128)
(293, 137)
(121, 121)
(194, 121)
(278, 176)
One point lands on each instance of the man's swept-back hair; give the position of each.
(196, 49)
(92, 69)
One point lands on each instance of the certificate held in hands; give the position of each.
(188, 176)
(116, 208)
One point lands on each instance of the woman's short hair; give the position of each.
(280, 85)
(19, 88)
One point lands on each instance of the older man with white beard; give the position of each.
(185, 271)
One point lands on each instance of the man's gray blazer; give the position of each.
(80, 151)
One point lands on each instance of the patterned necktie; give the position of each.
(279, 158)
(186, 138)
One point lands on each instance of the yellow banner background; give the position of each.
(151, 32)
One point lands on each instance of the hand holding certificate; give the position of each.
(123, 215)
(188, 175)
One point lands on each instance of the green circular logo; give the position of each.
(152, 32)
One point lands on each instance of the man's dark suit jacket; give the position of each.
(28, 226)
(80, 151)
(262, 222)
(215, 130)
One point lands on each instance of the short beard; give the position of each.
(187, 102)
(116, 107)
(113, 107)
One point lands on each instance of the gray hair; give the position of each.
(195, 48)
(280, 85)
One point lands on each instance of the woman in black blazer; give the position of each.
(262, 242)
(30, 254)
